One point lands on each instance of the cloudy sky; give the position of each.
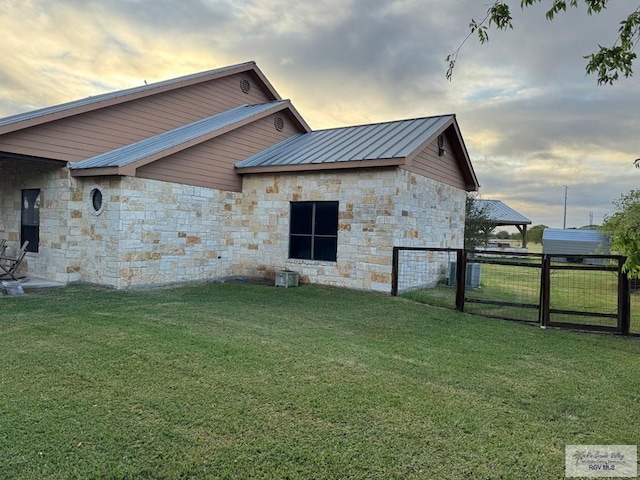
(533, 122)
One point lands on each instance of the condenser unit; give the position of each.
(473, 274)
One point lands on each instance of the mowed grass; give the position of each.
(248, 381)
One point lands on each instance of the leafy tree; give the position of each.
(503, 235)
(623, 226)
(534, 234)
(477, 225)
(608, 63)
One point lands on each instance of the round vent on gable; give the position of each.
(279, 123)
(245, 86)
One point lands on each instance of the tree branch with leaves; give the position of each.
(477, 224)
(608, 63)
(623, 226)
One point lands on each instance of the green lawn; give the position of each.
(249, 381)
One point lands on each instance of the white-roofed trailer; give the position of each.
(570, 244)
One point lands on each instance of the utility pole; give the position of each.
(564, 223)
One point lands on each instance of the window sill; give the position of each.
(305, 261)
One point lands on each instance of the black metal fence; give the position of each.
(583, 291)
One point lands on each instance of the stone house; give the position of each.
(214, 175)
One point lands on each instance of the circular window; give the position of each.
(279, 123)
(96, 201)
(245, 86)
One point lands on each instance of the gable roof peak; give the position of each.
(94, 102)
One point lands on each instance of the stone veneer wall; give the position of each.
(151, 232)
(147, 232)
(378, 209)
(54, 183)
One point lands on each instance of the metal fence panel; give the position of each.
(586, 291)
(509, 286)
(425, 275)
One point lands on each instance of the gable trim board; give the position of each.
(189, 199)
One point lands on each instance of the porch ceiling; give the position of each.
(27, 158)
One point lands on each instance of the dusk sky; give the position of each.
(532, 121)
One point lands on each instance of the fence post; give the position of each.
(545, 291)
(394, 272)
(461, 278)
(624, 299)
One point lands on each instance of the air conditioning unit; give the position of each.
(286, 278)
(453, 269)
(473, 274)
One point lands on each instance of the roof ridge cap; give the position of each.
(401, 120)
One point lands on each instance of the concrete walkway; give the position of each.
(31, 283)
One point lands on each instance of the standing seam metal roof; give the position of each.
(364, 142)
(151, 146)
(21, 117)
(499, 212)
(573, 235)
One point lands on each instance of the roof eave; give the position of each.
(125, 171)
(352, 164)
(501, 223)
(29, 158)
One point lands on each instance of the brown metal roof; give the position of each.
(381, 144)
(350, 144)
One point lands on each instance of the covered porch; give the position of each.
(501, 215)
(34, 194)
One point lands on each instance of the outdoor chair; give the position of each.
(10, 265)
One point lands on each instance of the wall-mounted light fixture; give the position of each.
(441, 150)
